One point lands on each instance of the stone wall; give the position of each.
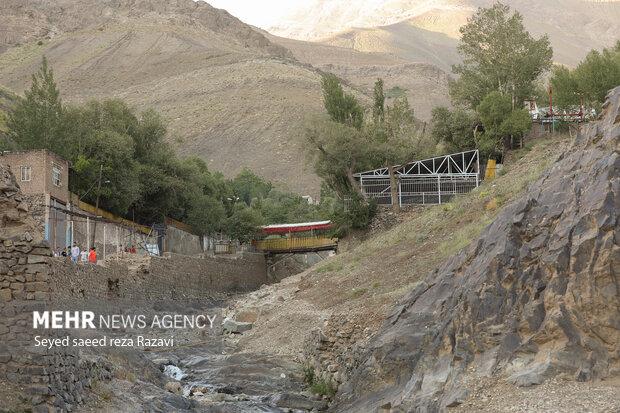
(159, 278)
(32, 280)
(37, 209)
(55, 378)
(52, 380)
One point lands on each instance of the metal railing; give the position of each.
(420, 189)
(295, 244)
(429, 181)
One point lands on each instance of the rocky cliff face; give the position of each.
(535, 296)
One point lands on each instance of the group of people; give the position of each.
(78, 255)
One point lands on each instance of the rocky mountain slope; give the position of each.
(230, 95)
(233, 95)
(403, 26)
(424, 84)
(536, 296)
(404, 40)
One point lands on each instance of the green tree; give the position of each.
(341, 107)
(500, 121)
(394, 141)
(498, 55)
(248, 186)
(378, 107)
(113, 152)
(206, 215)
(598, 73)
(454, 129)
(35, 121)
(244, 222)
(336, 152)
(565, 88)
(493, 110)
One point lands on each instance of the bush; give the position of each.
(354, 213)
(309, 375)
(320, 386)
(454, 129)
(323, 387)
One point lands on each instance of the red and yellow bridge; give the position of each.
(296, 238)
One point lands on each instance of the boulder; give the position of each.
(247, 316)
(173, 387)
(231, 326)
(297, 402)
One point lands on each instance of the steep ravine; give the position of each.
(535, 297)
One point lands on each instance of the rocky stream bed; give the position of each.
(204, 371)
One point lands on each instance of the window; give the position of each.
(56, 175)
(26, 173)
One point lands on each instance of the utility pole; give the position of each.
(97, 204)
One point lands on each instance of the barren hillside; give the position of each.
(231, 96)
(424, 84)
(574, 26)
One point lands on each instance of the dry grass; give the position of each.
(102, 391)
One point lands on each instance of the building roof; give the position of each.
(299, 227)
(454, 163)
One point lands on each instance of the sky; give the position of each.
(260, 13)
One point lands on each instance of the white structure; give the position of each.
(429, 181)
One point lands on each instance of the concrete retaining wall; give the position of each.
(177, 241)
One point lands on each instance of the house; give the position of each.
(43, 178)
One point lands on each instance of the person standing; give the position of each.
(75, 253)
(92, 256)
(84, 257)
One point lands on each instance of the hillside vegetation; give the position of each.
(362, 283)
(230, 95)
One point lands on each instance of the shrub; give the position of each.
(323, 387)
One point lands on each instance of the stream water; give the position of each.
(216, 378)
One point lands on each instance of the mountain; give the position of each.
(424, 84)
(404, 40)
(231, 96)
(237, 96)
(574, 26)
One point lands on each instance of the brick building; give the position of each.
(44, 181)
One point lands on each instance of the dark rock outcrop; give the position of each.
(535, 296)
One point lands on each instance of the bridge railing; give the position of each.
(295, 244)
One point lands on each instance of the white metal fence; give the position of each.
(430, 181)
